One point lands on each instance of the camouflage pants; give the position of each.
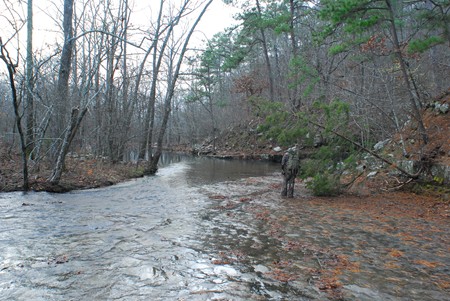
(288, 183)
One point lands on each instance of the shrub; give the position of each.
(324, 184)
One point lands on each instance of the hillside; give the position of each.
(432, 160)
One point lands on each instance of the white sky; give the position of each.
(47, 19)
(218, 17)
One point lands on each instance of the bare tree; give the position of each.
(29, 81)
(157, 50)
(76, 115)
(11, 66)
(175, 57)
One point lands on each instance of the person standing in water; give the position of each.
(289, 167)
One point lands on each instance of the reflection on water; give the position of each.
(169, 158)
(205, 170)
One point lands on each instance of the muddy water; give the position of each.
(204, 229)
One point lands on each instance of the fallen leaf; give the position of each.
(443, 284)
(396, 253)
(426, 263)
(391, 265)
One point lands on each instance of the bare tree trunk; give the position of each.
(127, 110)
(29, 82)
(63, 92)
(413, 95)
(266, 56)
(296, 102)
(128, 104)
(137, 84)
(99, 117)
(40, 133)
(213, 119)
(156, 64)
(4, 56)
(75, 121)
(172, 80)
(62, 89)
(110, 101)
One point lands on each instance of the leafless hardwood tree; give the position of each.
(158, 47)
(176, 56)
(11, 67)
(30, 137)
(77, 114)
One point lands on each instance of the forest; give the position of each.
(337, 76)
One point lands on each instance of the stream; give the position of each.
(200, 229)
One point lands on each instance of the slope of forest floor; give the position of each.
(436, 118)
(241, 141)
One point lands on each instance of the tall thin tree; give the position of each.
(11, 66)
(29, 82)
(174, 68)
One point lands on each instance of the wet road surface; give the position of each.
(192, 233)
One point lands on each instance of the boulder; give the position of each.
(277, 149)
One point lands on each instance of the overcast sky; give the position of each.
(46, 16)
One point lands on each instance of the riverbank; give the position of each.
(86, 173)
(80, 173)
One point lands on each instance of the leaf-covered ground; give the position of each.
(80, 173)
(381, 247)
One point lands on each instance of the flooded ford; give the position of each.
(209, 229)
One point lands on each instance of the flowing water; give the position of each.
(200, 229)
(134, 241)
